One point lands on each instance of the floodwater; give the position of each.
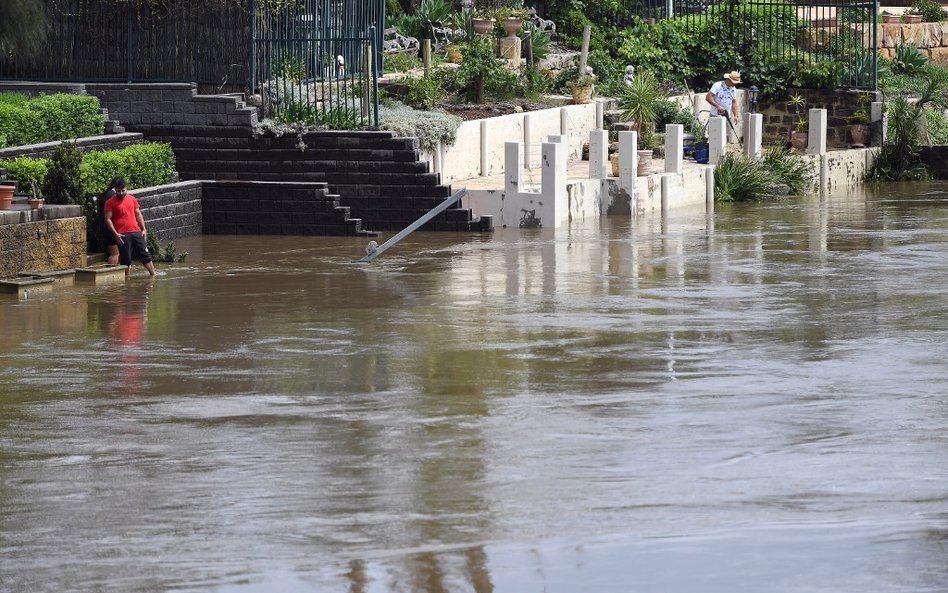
(755, 401)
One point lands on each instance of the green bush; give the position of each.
(63, 184)
(141, 165)
(937, 127)
(908, 59)
(423, 92)
(24, 170)
(669, 112)
(48, 118)
(738, 179)
(787, 169)
(931, 11)
(429, 127)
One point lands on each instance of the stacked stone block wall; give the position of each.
(42, 245)
(780, 120)
(46, 149)
(930, 38)
(172, 211)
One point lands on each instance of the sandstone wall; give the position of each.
(42, 245)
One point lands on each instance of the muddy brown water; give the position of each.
(753, 401)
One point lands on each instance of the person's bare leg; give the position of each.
(112, 256)
(150, 266)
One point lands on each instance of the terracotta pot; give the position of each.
(36, 203)
(911, 19)
(512, 25)
(6, 197)
(645, 163)
(482, 26)
(799, 140)
(859, 133)
(581, 94)
(824, 23)
(890, 19)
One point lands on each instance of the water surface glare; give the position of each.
(753, 401)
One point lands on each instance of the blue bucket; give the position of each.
(701, 153)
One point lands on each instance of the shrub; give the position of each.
(429, 127)
(931, 11)
(908, 59)
(540, 39)
(786, 169)
(899, 158)
(669, 112)
(739, 179)
(166, 254)
(423, 92)
(23, 170)
(937, 127)
(141, 165)
(63, 185)
(48, 118)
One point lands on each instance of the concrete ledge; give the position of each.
(101, 274)
(59, 277)
(24, 287)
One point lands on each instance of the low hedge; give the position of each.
(141, 165)
(48, 118)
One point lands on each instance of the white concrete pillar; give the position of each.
(564, 122)
(666, 189)
(717, 140)
(484, 171)
(437, 157)
(528, 139)
(513, 168)
(674, 143)
(709, 188)
(628, 160)
(753, 135)
(816, 140)
(599, 166)
(553, 203)
(600, 116)
(877, 114)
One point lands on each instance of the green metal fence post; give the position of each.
(253, 45)
(128, 45)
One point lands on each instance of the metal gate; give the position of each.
(317, 61)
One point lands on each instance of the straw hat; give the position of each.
(734, 76)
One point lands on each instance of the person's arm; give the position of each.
(141, 223)
(111, 227)
(734, 110)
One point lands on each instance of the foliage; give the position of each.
(25, 170)
(48, 118)
(339, 117)
(423, 92)
(937, 123)
(610, 72)
(408, 25)
(166, 254)
(22, 27)
(140, 165)
(861, 115)
(670, 112)
(798, 104)
(463, 21)
(430, 127)
(533, 83)
(479, 66)
(400, 62)
(63, 184)
(820, 74)
(661, 48)
(913, 85)
(908, 60)
(739, 179)
(899, 158)
(540, 39)
(787, 169)
(772, 76)
(291, 67)
(855, 14)
(640, 102)
(931, 11)
(431, 14)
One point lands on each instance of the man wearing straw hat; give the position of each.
(722, 99)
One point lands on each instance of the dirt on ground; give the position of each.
(469, 111)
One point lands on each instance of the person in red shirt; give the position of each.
(123, 218)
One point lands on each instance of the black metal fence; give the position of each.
(310, 57)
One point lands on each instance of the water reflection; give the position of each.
(747, 401)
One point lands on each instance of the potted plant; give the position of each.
(889, 18)
(6, 194)
(910, 17)
(799, 137)
(640, 103)
(510, 16)
(483, 21)
(36, 199)
(930, 11)
(582, 88)
(859, 122)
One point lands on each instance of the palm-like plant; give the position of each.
(640, 103)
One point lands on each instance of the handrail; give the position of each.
(374, 250)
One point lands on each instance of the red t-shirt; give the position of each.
(123, 213)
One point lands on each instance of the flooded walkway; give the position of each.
(752, 401)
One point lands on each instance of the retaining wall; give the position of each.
(46, 149)
(936, 157)
(41, 241)
(779, 119)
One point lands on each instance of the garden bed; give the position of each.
(469, 111)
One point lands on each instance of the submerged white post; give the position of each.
(553, 202)
(717, 140)
(674, 144)
(816, 139)
(513, 168)
(753, 135)
(628, 160)
(527, 139)
(599, 154)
